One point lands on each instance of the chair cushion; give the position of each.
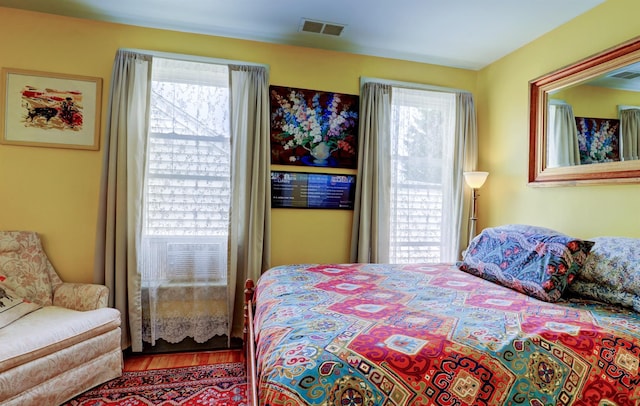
(26, 266)
(51, 329)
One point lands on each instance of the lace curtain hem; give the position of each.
(174, 330)
(174, 312)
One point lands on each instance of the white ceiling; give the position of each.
(460, 33)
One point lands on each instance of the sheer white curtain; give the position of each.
(630, 134)
(562, 136)
(182, 254)
(414, 144)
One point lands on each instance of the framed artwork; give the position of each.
(598, 139)
(313, 128)
(302, 190)
(50, 109)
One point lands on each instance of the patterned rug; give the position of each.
(219, 384)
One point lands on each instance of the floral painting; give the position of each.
(598, 139)
(313, 128)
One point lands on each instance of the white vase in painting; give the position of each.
(320, 153)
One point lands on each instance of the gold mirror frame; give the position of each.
(539, 90)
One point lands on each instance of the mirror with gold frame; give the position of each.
(587, 84)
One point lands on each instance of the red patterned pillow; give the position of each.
(12, 307)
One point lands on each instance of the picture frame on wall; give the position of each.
(44, 109)
(312, 190)
(598, 139)
(313, 128)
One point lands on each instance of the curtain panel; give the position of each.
(465, 160)
(562, 144)
(120, 191)
(370, 229)
(182, 254)
(630, 134)
(250, 214)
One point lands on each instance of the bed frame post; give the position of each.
(249, 344)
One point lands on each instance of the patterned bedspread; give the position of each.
(433, 335)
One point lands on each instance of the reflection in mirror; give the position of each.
(596, 121)
(562, 135)
(629, 132)
(585, 120)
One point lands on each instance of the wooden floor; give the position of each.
(145, 362)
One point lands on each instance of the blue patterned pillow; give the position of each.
(603, 293)
(614, 261)
(614, 265)
(536, 261)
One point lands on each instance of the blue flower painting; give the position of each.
(598, 139)
(313, 128)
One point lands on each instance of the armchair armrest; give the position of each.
(81, 296)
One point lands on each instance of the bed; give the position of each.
(492, 329)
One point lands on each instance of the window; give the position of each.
(422, 138)
(187, 182)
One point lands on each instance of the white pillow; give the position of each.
(13, 307)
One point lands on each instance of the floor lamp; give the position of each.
(474, 180)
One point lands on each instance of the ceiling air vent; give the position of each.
(626, 75)
(321, 27)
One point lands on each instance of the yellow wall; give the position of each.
(503, 110)
(55, 191)
(597, 102)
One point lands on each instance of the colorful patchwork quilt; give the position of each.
(373, 334)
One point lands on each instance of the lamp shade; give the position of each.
(475, 180)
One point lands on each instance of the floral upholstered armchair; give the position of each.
(30, 275)
(57, 339)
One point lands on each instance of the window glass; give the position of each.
(187, 182)
(422, 134)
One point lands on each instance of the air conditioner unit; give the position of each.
(185, 258)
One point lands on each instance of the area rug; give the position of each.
(218, 384)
